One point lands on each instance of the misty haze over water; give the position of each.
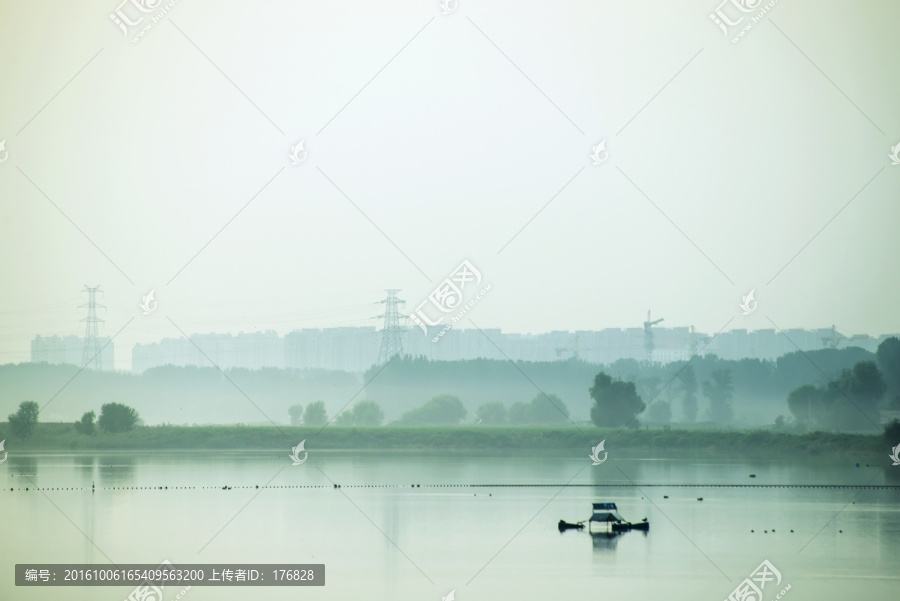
(449, 300)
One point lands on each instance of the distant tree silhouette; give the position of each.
(849, 402)
(887, 357)
(368, 413)
(116, 417)
(86, 424)
(659, 412)
(491, 414)
(688, 384)
(22, 422)
(720, 392)
(548, 409)
(518, 414)
(363, 413)
(315, 414)
(858, 408)
(802, 402)
(616, 403)
(542, 409)
(444, 409)
(296, 413)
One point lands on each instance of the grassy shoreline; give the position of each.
(62, 436)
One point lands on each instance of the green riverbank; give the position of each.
(62, 436)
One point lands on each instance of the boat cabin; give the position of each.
(606, 513)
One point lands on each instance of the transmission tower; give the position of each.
(90, 357)
(391, 334)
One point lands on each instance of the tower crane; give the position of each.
(695, 340)
(574, 349)
(648, 335)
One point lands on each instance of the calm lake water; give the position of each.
(380, 538)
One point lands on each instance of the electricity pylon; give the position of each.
(90, 356)
(391, 333)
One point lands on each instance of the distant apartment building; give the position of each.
(59, 350)
(611, 344)
(355, 349)
(345, 349)
(253, 350)
(769, 344)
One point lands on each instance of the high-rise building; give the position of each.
(58, 350)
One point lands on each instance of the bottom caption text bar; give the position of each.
(194, 574)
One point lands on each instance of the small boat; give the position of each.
(608, 513)
(564, 525)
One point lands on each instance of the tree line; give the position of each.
(755, 389)
(852, 400)
(829, 389)
(114, 418)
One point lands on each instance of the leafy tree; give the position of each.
(801, 402)
(850, 402)
(542, 409)
(518, 414)
(116, 417)
(315, 414)
(296, 413)
(616, 403)
(867, 383)
(858, 407)
(363, 413)
(368, 413)
(647, 387)
(720, 392)
(892, 433)
(444, 409)
(345, 418)
(86, 424)
(22, 422)
(888, 359)
(659, 412)
(547, 409)
(492, 414)
(688, 384)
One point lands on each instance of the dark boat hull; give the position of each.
(563, 525)
(625, 527)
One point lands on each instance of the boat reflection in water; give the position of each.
(604, 541)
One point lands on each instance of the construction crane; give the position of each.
(832, 341)
(648, 335)
(695, 341)
(575, 349)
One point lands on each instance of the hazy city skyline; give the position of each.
(356, 349)
(447, 139)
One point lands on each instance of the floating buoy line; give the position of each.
(94, 488)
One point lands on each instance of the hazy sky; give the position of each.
(725, 160)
